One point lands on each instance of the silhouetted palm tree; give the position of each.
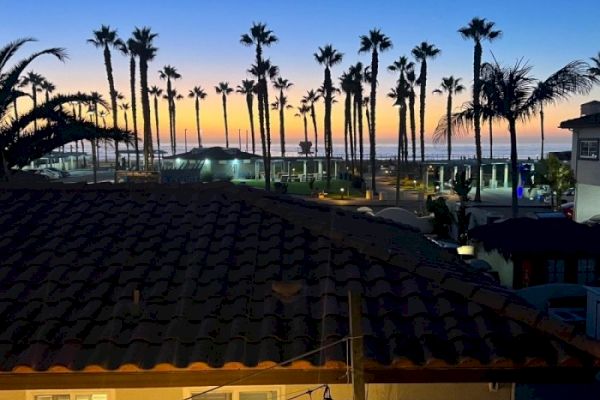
(176, 97)
(282, 84)
(358, 76)
(310, 99)
(156, 92)
(328, 57)
(594, 69)
(421, 53)
(478, 30)
(302, 111)
(48, 87)
(248, 88)
(411, 80)
(170, 73)
(224, 90)
(374, 42)
(129, 50)
(144, 49)
(125, 108)
(401, 93)
(197, 93)
(35, 81)
(260, 37)
(347, 86)
(451, 86)
(105, 38)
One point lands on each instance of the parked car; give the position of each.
(595, 220)
(49, 173)
(62, 173)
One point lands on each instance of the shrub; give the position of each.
(207, 177)
(280, 188)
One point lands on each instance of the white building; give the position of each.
(585, 160)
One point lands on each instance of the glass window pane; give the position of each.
(212, 396)
(258, 395)
(82, 397)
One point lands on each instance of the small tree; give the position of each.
(462, 186)
(557, 175)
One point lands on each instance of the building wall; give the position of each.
(420, 391)
(587, 174)
(587, 201)
(505, 268)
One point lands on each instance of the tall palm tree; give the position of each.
(513, 97)
(310, 99)
(170, 73)
(328, 57)
(104, 39)
(422, 52)
(130, 49)
(358, 75)
(145, 51)
(478, 30)
(224, 90)
(175, 97)
(125, 108)
(594, 69)
(95, 101)
(248, 88)
(48, 87)
(197, 93)
(302, 111)
(282, 84)
(411, 80)
(451, 86)
(401, 93)
(347, 86)
(35, 81)
(156, 92)
(375, 42)
(259, 37)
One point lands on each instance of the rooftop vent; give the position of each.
(593, 107)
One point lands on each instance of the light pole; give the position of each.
(185, 139)
(342, 193)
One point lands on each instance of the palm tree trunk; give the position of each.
(15, 109)
(281, 122)
(126, 143)
(249, 101)
(197, 105)
(372, 136)
(422, 95)
(224, 100)
(314, 121)
(348, 125)
(94, 149)
(113, 98)
(361, 150)
(449, 128)
(327, 122)
(134, 111)
(355, 108)
(157, 129)
(148, 153)
(263, 137)
(491, 139)
(542, 129)
(477, 116)
(513, 167)
(305, 130)
(267, 112)
(403, 127)
(34, 99)
(413, 126)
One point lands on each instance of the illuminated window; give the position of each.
(83, 396)
(586, 271)
(556, 271)
(212, 396)
(266, 392)
(588, 149)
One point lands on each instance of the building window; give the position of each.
(76, 396)
(236, 393)
(588, 149)
(586, 271)
(556, 271)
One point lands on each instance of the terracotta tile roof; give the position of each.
(232, 277)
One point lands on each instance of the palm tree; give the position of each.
(347, 86)
(310, 99)
(197, 93)
(18, 146)
(145, 51)
(421, 53)
(402, 66)
(35, 81)
(450, 86)
(260, 37)
(175, 97)
(224, 90)
(399, 94)
(156, 92)
(105, 38)
(478, 29)
(302, 111)
(594, 69)
(48, 87)
(358, 76)
(282, 84)
(170, 73)
(411, 80)
(374, 42)
(125, 108)
(248, 87)
(513, 97)
(130, 49)
(328, 57)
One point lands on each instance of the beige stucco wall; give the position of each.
(587, 201)
(505, 268)
(421, 391)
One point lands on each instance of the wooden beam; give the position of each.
(356, 341)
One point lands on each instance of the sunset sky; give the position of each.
(201, 39)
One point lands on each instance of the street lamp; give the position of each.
(342, 193)
(415, 183)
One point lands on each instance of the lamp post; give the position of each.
(342, 193)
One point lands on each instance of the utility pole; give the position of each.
(185, 139)
(356, 342)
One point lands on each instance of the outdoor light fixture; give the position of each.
(342, 192)
(415, 183)
(235, 160)
(206, 160)
(437, 188)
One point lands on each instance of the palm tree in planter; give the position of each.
(248, 88)
(375, 42)
(282, 84)
(310, 99)
(156, 93)
(35, 81)
(328, 57)
(104, 39)
(422, 53)
(224, 90)
(478, 30)
(144, 48)
(513, 97)
(302, 111)
(451, 86)
(197, 93)
(169, 73)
